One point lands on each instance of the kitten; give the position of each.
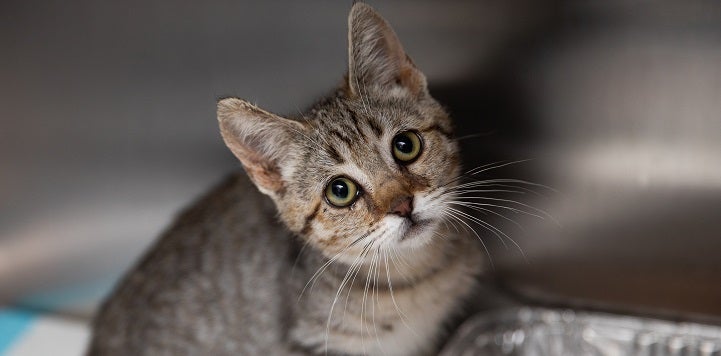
(363, 262)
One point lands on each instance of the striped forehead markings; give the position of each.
(361, 120)
(334, 155)
(375, 126)
(348, 133)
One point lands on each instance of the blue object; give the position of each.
(13, 324)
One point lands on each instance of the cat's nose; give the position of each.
(402, 206)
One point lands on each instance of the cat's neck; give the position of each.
(391, 305)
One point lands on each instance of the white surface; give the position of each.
(52, 336)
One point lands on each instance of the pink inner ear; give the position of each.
(267, 176)
(264, 172)
(249, 131)
(411, 79)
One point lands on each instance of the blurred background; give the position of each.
(107, 129)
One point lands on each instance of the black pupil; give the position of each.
(340, 189)
(404, 144)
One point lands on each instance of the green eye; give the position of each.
(407, 147)
(341, 192)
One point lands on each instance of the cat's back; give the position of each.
(211, 284)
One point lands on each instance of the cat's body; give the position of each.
(363, 261)
(240, 294)
(207, 285)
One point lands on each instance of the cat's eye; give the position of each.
(407, 147)
(341, 192)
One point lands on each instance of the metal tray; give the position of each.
(557, 332)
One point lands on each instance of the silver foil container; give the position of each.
(558, 332)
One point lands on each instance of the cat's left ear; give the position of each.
(262, 141)
(377, 60)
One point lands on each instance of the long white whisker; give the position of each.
(297, 259)
(481, 223)
(466, 189)
(376, 293)
(485, 168)
(358, 259)
(402, 262)
(512, 209)
(494, 230)
(517, 181)
(363, 307)
(364, 254)
(320, 270)
(541, 211)
(489, 211)
(451, 214)
(402, 315)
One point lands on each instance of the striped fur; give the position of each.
(362, 280)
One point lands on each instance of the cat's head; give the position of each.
(368, 166)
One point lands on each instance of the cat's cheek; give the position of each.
(330, 228)
(441, 168)
(330, 241)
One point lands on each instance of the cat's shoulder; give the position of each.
(235, 194)
(231, 216)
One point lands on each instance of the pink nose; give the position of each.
(402, 206)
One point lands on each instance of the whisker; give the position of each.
(520, 187)
(363, 307)
(304, 135)
(363, 98)
(483, 168)
(490, 259)
(297, 258)
(480, 223)
(518, 181)
(452, 224)
(320, 270)
(376, 293)
(513, 209)
(364, 253)
(463, 190)
(541, 211)
(401, 315)
(485, 210)
(476, 135)
(496, 231)
(402, 262)
(356, 271)
(358, 259)
(362, 237)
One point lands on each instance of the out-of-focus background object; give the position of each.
(107, 128)
(529, 331)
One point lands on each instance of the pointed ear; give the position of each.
(376, 57)
(260, 140)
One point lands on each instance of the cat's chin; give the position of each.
(416, 233)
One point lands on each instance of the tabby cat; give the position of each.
(363, 262)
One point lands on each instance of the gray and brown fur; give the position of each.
(227, 279)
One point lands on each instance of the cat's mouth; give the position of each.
(415, 228)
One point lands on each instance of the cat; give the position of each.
(364, 261)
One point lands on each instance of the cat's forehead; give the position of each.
(352, 137)
(348, 135)
(379, 115)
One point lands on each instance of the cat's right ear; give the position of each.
(260, 140)
(376, 59)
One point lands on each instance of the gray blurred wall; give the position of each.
(107, 128)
